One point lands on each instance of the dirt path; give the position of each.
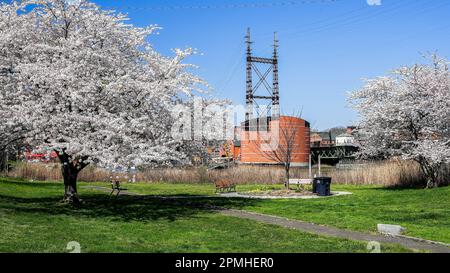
(411, 243)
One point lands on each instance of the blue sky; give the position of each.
(326, 47)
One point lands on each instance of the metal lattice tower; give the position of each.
(273, 92)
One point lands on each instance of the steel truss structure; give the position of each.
(272, 96)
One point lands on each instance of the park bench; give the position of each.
(115, 185)
(225, 186)
(301, 182)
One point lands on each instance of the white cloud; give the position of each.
(374, 2)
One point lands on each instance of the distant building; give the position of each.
(45, 155)
(322, 139)
(231, 149)
(346, 139)
(333, 138)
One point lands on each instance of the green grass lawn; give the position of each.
(33, 220)
(425, 213)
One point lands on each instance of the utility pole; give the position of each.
(276, 88)
(249, 92)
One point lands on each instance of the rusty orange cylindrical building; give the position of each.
(276, 141)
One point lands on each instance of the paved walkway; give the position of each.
(411, 243)
(407, 242)
(249, 196)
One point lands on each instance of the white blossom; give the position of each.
(407, 114)
(82, 80)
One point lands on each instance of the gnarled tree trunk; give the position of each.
(70, 175)
(431, 172)
(70, 169)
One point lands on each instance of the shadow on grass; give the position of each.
(409, 187)
(125, 208)
(22, 182)
(404, 187)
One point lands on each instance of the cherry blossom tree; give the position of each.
(80, 80)
(407, 114)
(12, 30)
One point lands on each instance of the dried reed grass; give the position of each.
(386, 173)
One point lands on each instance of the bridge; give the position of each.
(333, 154)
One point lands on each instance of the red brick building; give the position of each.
(252, 150)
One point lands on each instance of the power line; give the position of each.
(351, 20)
(355, 16)
(235, 62)
(228, 6)
(426, 31)
(354, 20)
(317, 23)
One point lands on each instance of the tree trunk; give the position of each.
(70, 170)
(431, 173)
(433, 181)
(431, 184)
(70, 175)
(287, 175)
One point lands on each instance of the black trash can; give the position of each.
(322, 186)
(314, 185)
